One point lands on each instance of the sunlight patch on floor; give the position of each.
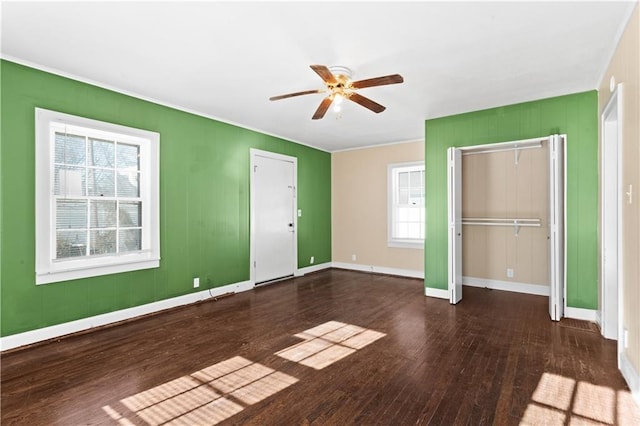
(217, 392)
(555, 391)
(328, 343)
(562, 400)
(595, 402)
(205, 397)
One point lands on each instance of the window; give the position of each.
(406, 205)
(97, 199)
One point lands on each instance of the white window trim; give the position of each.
(391, 241)
(47, 269)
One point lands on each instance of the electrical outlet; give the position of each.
(196, 282)
(354, 257)
(313, 259)
(625, 338)
(299, 212)
(509, 273)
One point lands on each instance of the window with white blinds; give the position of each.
(96, 198)
(406, 205)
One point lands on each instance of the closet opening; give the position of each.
(506, 218)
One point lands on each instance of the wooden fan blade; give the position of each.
(322, 109)
(324, 74)
(367, 103)
(290, 95)
(378, 81)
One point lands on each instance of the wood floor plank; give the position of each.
(332, 348)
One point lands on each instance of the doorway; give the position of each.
(502, 221)
(273, 219)
(610, 217)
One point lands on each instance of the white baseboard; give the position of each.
(630, 375)
(580, 314)
(517, 287)
(436, 292)
(313, 268)
(58, 330)
(380, 270)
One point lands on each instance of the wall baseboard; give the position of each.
(39, 335)
(581, 314)
(410, 273)
(630, 375)
(436, 292)
(313, 268)
(46, 333)
(517, 287)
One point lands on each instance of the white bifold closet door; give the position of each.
(454, 180)
(556, 218)
(556, 227)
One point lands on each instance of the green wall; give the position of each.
(204, 202)
(574, 115)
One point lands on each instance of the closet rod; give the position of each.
(512, 223)
(513, 148)
(495, 219)
(491, 221)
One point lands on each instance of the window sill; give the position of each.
(74, 274)
(406, 244)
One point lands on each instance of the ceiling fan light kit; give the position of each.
(338, 84)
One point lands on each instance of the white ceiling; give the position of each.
(225, 59)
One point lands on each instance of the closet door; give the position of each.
(556, 227)
(454, 181)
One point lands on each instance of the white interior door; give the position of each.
(454, 182)
(273, 218)
(556, 227)
(611, 206)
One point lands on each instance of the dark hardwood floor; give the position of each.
(334, 347)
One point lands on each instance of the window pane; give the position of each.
(403, 179)
(130, 214)
(70, 149)
(415, 179)
(71, 244)
(128, 156)
(403, 230)
(403, 196)
(410, 230)
(414, 230)
(101, 183)
(130, 240)
(103, 242)
(403, 214)
(101, 153)
(414, 215)
(128, 184)
(103, 214)
(69, 181)
(71, 214)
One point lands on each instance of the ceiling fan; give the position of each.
(337, 80)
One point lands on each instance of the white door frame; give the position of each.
(510, 146)
(253, 153)
(611, 272)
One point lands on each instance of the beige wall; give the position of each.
(359, 206)
(625, 67)
(494, 186)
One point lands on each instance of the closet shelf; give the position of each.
(492, 221)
